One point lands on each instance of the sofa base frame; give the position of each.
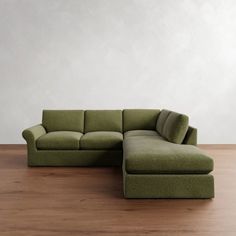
(75, 158)
(168, 186)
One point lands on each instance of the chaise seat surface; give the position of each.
(152, 155)
(59, 140)
(101, 140)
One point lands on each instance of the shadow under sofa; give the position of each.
(156, 149)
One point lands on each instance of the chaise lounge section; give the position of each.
(157, 149)
(154, 168)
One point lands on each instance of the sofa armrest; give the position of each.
(32, 134)
(191, 136)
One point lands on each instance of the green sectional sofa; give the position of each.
(156, 149)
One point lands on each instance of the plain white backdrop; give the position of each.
(115, 54)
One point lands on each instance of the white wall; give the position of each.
(103, 54)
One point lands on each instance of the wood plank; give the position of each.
(89, 201)
(217, 146)
(12, 146)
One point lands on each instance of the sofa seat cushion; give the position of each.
(101, 140)
(151, 155)
(59, 140)
(135, 133)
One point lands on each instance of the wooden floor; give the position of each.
(89, 201)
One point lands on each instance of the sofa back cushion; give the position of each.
(175, 127)
(161, 120)
(140, 119)
(103, 120)
(63, 120)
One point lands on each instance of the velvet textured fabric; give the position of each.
(135, 133)
(31, 135)
(157, 149)
(161, 120)
(102, 140)
(103, 120)
(140, 119)
(75, 158)
(63, 120)
(151, 155)
(175, 127)
(59, 140)
(191, 136)
(168, 186)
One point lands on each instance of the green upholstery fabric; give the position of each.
(150, 155)
(175, 127)
(63, 120)
(161, 120)
(133, 133)
(101, 140)
(75, 158)
(154, 166)
(191, 136)
(140, 119)
(59, 140)
(168, 186)
(33, 132)
(103, 120)
(31, 135)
